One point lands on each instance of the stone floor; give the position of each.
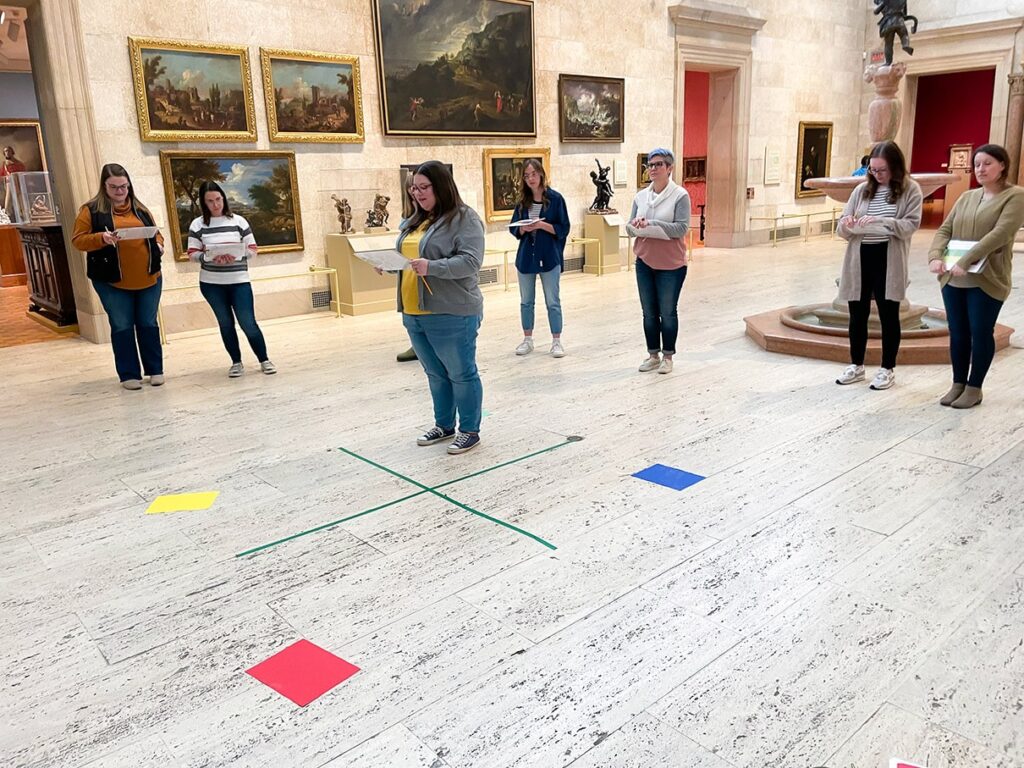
(847, 585)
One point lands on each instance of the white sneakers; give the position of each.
(884, 379)
(526, 347)
(666, 365)
(851, 374)
(236, 370)
(652, 363)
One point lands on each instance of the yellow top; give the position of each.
(410, 280)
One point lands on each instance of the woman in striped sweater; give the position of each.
(224, 279)
(880, 217)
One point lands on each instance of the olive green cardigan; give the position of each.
(994, 224)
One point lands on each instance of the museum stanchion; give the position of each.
(314, 270)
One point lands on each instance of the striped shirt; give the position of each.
(535, 209)
(880, 207)
(222, 230)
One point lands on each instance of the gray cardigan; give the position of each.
(454, 248)
(899, 229)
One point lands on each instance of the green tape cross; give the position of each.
(424, 489)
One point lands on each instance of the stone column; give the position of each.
(1015, 123)
(58, 62)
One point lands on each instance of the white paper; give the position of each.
(652, 231)
(524, 222)
(137, 233)
(387, 260)
(236, 251)
(613, 220)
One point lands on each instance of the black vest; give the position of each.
(105, 264)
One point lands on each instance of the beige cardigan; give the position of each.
(994, 224)
(899, 229)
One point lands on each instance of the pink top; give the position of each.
(661, 254)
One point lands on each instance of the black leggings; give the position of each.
(873, 261)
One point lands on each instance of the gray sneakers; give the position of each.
(652, 363)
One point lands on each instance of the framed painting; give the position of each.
(312, 97)
(642, 177)
(21, 142)
(191, 91)
(695, 168)
(261, 186)
(456, 68)
(404, 172)
(591, 108)
(813, 156)
(503, 178)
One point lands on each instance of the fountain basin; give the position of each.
(839, 188)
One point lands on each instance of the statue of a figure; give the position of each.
(4, 218)
(603, 198)
(893, 22)
(378, 216)
(344, 214)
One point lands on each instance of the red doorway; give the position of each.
(693, 163)
(952, 108)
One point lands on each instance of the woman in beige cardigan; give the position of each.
(989, 217)
(880, 217)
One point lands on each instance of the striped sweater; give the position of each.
(222, 230)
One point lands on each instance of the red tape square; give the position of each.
(303, 672)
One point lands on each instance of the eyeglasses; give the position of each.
(876, 171)
(531, 175)
(421, 187)
(657, 164)
(117, 187)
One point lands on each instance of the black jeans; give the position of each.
(873, 263)
(659, 298)
(971, 314)
(237, 297)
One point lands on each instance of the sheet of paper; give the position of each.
(524, 222)
(652, 231)
(389, 261)
(138, 233)
(236, 251)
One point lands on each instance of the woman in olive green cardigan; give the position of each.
(990, 217)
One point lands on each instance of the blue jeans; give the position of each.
(659, 298)
(133, 328)
(528, 295)
(971, 314)
(446, 348)
(237, 297)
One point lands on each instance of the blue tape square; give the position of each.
(670, 477)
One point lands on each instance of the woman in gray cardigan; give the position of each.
(441, 303)
(880, 217)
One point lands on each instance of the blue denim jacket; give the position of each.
(539, 251)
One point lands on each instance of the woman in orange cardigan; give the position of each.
(125, 274)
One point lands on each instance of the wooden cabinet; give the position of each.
(12, 263)
(49, 275)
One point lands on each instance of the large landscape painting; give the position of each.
(261, 186)
(313, 97)
(192, 92)
(456, 67)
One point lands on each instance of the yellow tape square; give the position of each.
(182, 502)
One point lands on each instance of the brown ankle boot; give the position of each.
(954, 392)
(970, 398)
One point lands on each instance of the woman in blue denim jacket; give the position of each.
(441, 303)
(541, 248)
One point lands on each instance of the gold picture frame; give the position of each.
(263, 187)
(334, 118)
(503, 175)
(643, 178)
(218, 106)
(25, 137)
(813, 156)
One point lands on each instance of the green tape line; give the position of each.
(449, 499)
(325, 526)
(425, 489)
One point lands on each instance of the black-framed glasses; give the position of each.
(117, 187)
(876, 171)
(657, 164)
